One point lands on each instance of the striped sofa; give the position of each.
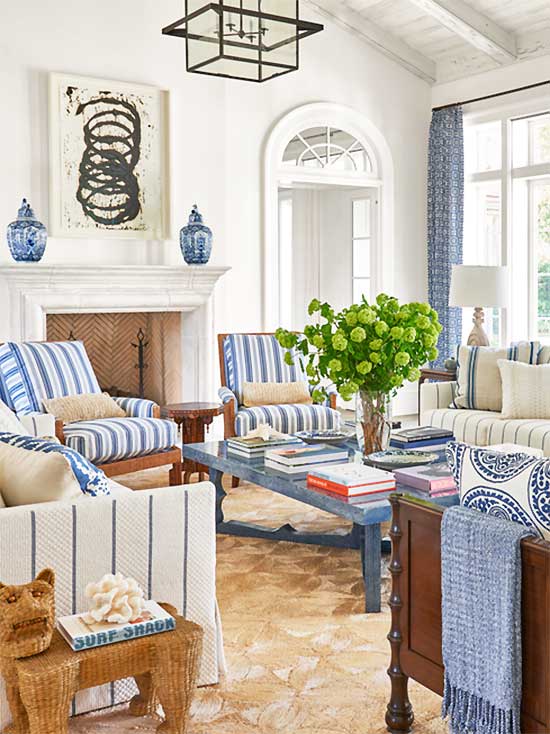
(260, 358)
(165, 538)
(478, 427)
(32, 372)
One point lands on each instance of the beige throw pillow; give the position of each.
(87, 407)
(479, 383)
(27, 477)
(525, 389)
(275, 393)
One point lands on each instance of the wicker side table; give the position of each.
(165, 667)
(193, 418)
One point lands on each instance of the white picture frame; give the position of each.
(109, 164)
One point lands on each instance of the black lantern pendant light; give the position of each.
(254, 40)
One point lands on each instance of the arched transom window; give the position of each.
(328, 148)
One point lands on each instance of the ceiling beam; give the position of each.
(385, 42)
(473, 27)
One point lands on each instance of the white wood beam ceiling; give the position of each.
(473, 27)
(389, 44)
(455, 15)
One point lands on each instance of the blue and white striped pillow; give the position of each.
(92, 481)
(257, 358)
(478, 375)
(32, 372)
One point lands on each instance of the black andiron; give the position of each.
(141, 365)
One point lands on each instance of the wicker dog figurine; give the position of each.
(42, 673)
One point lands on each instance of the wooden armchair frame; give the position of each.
(229, 407)
(415, 635)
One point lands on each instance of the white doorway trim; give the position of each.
(275, 173)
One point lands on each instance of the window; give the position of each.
(507, 217)
(327, 147)
(361, 232)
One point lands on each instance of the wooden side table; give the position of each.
(434, 375)
(193, 419)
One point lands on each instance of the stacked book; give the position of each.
(435, 480)
(82, 634)
(255, 448)
(352, 480)
(423, 438)
(300, 459)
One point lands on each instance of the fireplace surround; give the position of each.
(29, 292)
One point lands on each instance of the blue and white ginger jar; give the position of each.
(27, 236)
(196, 239)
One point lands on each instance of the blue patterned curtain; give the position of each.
(445, 220)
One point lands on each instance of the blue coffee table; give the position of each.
(366, 517)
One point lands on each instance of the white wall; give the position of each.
(218, 129)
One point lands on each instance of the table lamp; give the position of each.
(479, 286)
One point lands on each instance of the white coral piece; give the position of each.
(114, 598)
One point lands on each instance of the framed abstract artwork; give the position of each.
(108, 159)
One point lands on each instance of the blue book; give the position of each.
(428, 442)
(81, 633)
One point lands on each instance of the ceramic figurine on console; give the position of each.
(196, 239)
(26, 235)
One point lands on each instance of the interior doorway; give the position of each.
(328, 213)
(327, 247)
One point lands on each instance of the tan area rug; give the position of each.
(302, 656)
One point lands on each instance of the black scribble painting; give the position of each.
(112, 169)
(108, 189)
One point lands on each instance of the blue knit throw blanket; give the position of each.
(481, 610)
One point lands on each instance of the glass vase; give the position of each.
(372, 421)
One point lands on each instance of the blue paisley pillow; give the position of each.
(511, 486)
(92, 480)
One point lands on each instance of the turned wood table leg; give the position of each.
(399, 713)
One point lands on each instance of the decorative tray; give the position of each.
(400, 459)
(329, 436)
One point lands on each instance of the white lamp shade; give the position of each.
(479, 285)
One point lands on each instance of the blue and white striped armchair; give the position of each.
(31, 372)
(260, 358)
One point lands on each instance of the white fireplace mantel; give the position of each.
(28, 292)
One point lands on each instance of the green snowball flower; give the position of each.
(318, 341)
(364, 367)
(409, 334)
(315, 305)
(309, 331)
(339, 342)
(288, 358)
(402, 359)
(311, 371)
(396, 381)
(366, 316)
(424, 308)
(375, 357)
(358, 334)
(381, 328)
(433, 354)
(423, 322)
(413, 374)
(392, 305)
(376, 345)
(429, 340)
(351, 318)
(335, 365)
(396, 333)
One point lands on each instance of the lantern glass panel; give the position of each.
(203, 39)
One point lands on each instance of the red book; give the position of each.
(376, 487)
